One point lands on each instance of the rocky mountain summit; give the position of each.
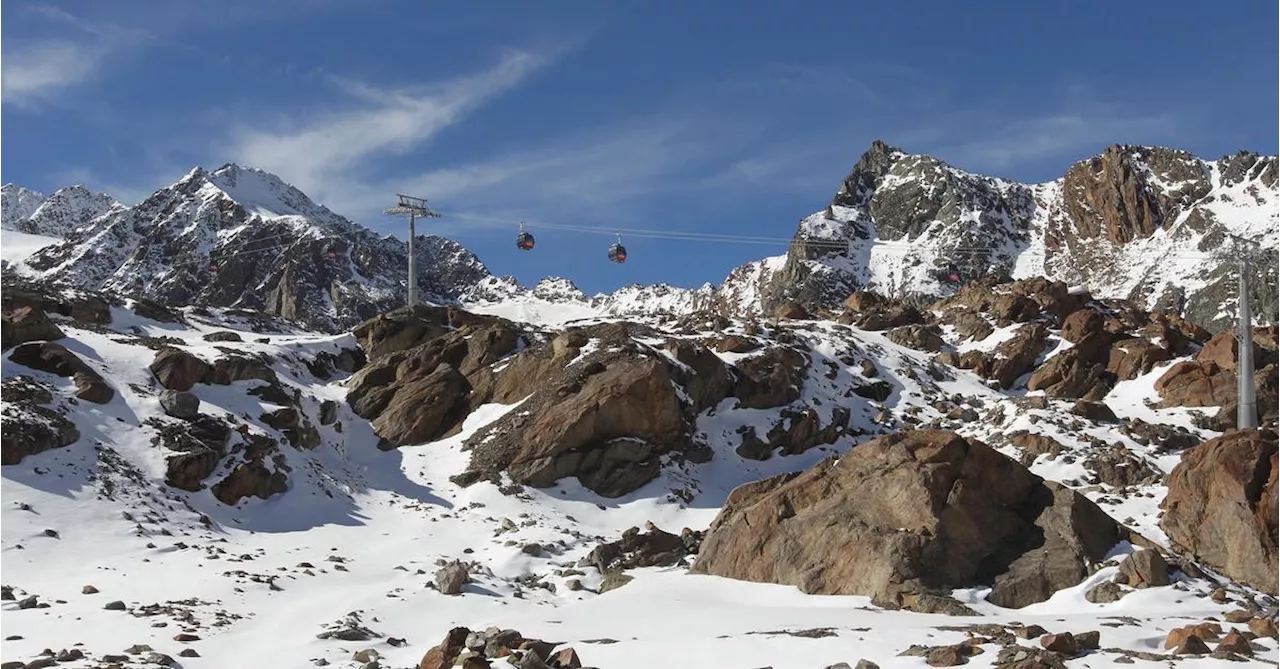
(1157, 226)
(57, 215)
(242, 238)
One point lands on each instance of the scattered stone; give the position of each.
(88, 590)
(180, 403)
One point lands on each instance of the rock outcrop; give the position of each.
(1221, 506)
(30, 425)
(907, 515)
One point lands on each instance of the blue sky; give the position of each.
(710, 116)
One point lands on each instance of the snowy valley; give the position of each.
(831, 457)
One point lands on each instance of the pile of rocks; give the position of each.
(493, 646)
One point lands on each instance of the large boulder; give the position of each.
(910, 513)
(26, 323)
(1221, 506)
(1071, 374)
(177, 369)
(770, 379)
(54, 358)
(179, 403)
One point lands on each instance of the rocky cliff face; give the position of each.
(238, 237)
(1155, 225)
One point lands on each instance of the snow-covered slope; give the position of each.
(357, 537)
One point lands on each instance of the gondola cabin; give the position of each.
(524, 241)
(618, 253)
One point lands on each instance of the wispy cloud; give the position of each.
(1056, 135)
(36, 69)
(1075, 122)
(32, 72)
(324, 155)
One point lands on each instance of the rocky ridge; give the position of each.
(1150, 224)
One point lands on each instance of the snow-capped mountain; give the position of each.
(1154, 225)
(240, 237)
(59, 214)
(1149, 224)
(17, 204)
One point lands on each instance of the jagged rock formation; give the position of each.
(1121, 223)
(602, 403)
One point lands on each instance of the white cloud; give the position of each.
(36, 69)
(32, 72)
(323, 155)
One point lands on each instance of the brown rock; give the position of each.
(1131, 358)
(793, 311)
(50, 357)
(26, 323)
(177, 369)
(567, 658)
(1107, 197)
(710, 381)
(1221, 506)
(470, 349)
(608, 433)
(35, 429)
(1235, 642)
(1002, 525)
(1081, 324)
(1202, 631)
(250, 479)
(1263, 627)
(1196, 384)
(234, 368)
(734, 344)
(1014, 357)
(187, 471)
(1095, 411)
(93, 388)
(446, 653)
(919, 337)
(1069, 375)
(401, 329)
(946, 656)
(1144, 569)
(425, 409)
(770, 379)
(1088, 640)
(1191, 645)
(1063, 642)
(1105, 593)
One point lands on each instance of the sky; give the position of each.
(713, 116)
